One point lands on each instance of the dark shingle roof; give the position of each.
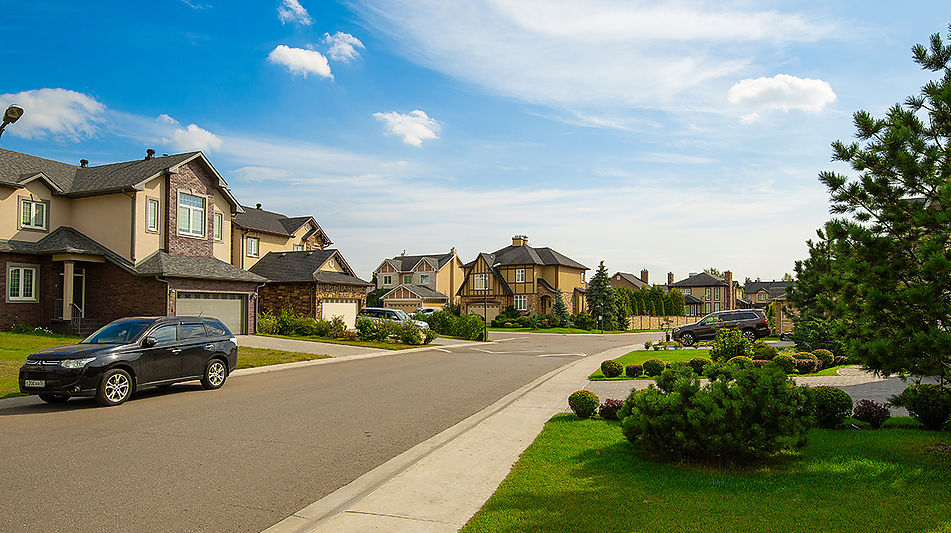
(702, 279)
(291, 267)
(691, 300)
(405, 263)
(756, 286)
(422, 291)
(183, 266)
(528, 255)
(630, 278)
(270, 222)
(65, 240)
(322, 276)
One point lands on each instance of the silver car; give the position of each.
(396, 315)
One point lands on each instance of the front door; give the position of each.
(79, 291)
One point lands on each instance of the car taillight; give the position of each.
(764, 323)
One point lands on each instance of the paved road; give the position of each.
(265, 445)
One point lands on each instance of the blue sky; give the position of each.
(671, 137)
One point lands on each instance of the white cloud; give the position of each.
(198, 6)
(292, 11)
(193, 137)
(58, 113)
(165, 119)
(603, 58)
(782, 92)
(343, 46)
(413, 128)
(301, 61)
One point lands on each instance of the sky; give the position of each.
(667, 136)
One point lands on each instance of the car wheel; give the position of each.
(215, 374)
(54, 398)
(749, 335)
(115, 387)
(687, 339)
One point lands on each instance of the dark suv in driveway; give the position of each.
(131, 353)
(751, 322)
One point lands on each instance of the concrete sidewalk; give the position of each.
(331, 349)
(439, 484)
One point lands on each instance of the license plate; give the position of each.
(34, 383)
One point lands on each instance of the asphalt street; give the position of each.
(265, 445)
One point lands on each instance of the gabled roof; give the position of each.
(291, 267)
(702, 279)
(257, 219)
(18, 169)
(495, 273)
(422, 291)
(691, 300)
(406, 263)
(528, 255)
(756, 286)
(183, 266)
(66, 240)
(630, 278)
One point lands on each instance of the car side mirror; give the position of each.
(148, 342)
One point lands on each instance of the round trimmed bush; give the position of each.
(763, 350)
(632, 371)
(584, 403)
(825, 356)
(927, 403)
(873, 413)
(760, 363)
(740, 361)
(806, 355)
(611, 368)
(653, 367)
(830, 405)
(609, 409)
(786, 363)
(806, 366)
(697, 364)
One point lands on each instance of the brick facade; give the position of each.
(192, 179)
(305, 298)
(32, 313)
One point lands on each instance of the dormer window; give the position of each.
(408, 279)
(191, 215)
(330, 263)
(33, 214)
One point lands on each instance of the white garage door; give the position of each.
(228, 308)
(331, 307)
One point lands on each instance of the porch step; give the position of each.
(85, 326)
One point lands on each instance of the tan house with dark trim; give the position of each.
(258, 232)
(705, 293)
(412, 282)
(82, 245)
(522, 276)
(761, 293)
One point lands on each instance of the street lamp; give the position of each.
(12, 114)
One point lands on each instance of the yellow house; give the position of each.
(411, 282)
(258, 232)
(522, 276)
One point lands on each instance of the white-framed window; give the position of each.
(191, 215)
(707, 306)
(582, 275)
(21, 283)
(424, 279)
(298, 247)
(716, 306)
(762, 297)
(331, 262)
(33, 214)
(686, 291)
(219, 223)
(151, 214)
(407, 279)
(252, 246)
(716, 293)
(479, 281)
(706, 295)
(519, 275)
(387, 279)
(521, 303)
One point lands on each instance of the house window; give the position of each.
(331, 262)
(686, 291)
(298, 247)
(218, 223)
(707, 306)
(521, 303)
(706, 295)
(191, 215)
(519, 275)
(387, 280)
(762, 297)
(716, 306)
(716, 293)
(151, 214)
(424, 279)
(21, 283)
(582, 276)
(252, 247)
(32, 214)
(479, 282)
(407, 279)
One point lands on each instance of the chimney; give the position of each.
(644, 275)
(452, 250)
(670, 278)
(83, 162)
(519, 240)
(149, 154)
(258, 206)
(728, 278)
(403, 254)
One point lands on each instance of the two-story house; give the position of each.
(411, 282)
(522, 276)
(257, 232)
(761, 293)
(705, 293)
(82, 245)
(630, 281)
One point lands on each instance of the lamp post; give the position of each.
(485, 307)
(601, 316)
(12, 114)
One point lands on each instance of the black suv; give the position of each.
(131, 353)
(751, 322)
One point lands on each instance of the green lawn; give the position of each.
(564, 331)
(582, 475)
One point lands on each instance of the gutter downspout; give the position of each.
(168, 289)
(132, 235)
(257, 299)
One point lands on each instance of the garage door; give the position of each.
(228, 308)
(331, 307)
(490, 310)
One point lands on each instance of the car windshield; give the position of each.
(401, 314)
(119, 332)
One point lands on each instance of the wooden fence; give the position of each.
(657, 322)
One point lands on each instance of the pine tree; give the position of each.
(560, 310)
(600, 297)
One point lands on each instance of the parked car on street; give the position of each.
(751, 322)
(132, 353)
(426, 311)
(382, 313)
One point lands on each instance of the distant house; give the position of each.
(705, 293)
(410, 282)
(315, 283)
(522, 276)
(783, 312)
(258, 232)
(761, 293)
(630, 281)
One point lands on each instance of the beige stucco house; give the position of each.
(258, 232)
(411, 282)
(523, 276)
(705, 293)
(81, 245)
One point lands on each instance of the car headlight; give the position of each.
(76, 363)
